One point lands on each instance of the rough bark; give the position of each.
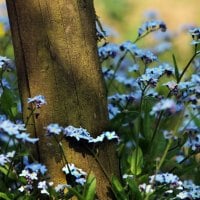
(56, 56)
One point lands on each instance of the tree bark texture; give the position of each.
(56, 56)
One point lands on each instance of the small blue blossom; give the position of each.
(6, 64)
(78, 133)
(128, 46)
(113, 111)
(25, 138)
(54, 129)
(151, 26)
(166, 105)
(37, 100)
(195, 33)
(193, 142)
(145, 55)
(166, 178)
(121, 99)
(171, 85)
(133, 68)
(108, 50)
(36, 167)
(99, 138)
(192, 189)
(111, 135)
(3, 159)
(127, 81)
(108, 73)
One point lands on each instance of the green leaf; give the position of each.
(8, 102)
(4, 196)
(118, 189)
(76, 193)
(90, 187)
(176, 68)
(8, 173)
(135, 192)
(136, 161)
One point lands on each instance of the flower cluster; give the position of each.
(9, 129)
(166, 178)
(79, 133)
(193, 142)
(150, 26)
(108, 50)
(31, 178)
(172, 184)
(152, 75)
(78, 174)
(145, 55)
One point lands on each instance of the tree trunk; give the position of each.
(56, 56)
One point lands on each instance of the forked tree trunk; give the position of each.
(56, 56)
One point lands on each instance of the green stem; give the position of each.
(30, 115)
(140, 37)
(164, 155)
(62, 153)
(187, 66)
(116, 69)
(140, 128)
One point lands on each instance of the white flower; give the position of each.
(43, 186)
(21, 189)
(110, 135)
(61, 187)
(146, 188)
(125, 176)
(29, 175)
(3, 159)
(10, 154)
(99, 138)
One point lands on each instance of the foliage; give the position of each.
(153, 107)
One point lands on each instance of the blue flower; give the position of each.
(166, 105)
(151, 26)
(35, 167)
(25, 138)
(54, 129)
(78, 133)
(108, 50)
(37, 100)
(195, 33)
